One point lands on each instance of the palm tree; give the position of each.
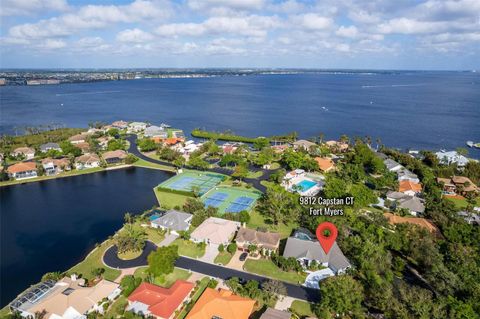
(128, 218)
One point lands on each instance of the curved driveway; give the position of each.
(111, 260)
(133, 149)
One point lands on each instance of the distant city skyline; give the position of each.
(330, 34)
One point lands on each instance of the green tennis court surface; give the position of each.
(230, 200)
(189, 181)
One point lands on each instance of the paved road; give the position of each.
(133, 149)
(111, 260)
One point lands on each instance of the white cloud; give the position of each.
(410, 26)
(347, 32)
(229, 4)
(134, 36)
(313, 21)
(52, 44)
(29, 7)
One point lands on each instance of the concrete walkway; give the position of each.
(284, 303)
(168, 240)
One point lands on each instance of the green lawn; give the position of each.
(189, 248)
(223, 258)
(302, 309)
(117, 308)
(154, 235)
(267, 268)
(254, 174)
(145, 164)
(128, 255)
(461, 203)
(257, 220)
(61, 175)
(94, 260)
(168, 200)
(165, 281)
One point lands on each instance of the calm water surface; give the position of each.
(430, 110)
(52, 225)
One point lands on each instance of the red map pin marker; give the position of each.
(326, 241)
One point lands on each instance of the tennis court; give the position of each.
(230, 200)
(189, 181)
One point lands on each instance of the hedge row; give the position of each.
(222, 136)
(175, 191)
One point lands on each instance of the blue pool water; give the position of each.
(305, 185)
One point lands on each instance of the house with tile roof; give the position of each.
(113, 157)
(78, 138)
(325, 164)
(22, 170)
(410, 188)
(215, 230)
(221, 304)
(120, 124)
(173, 220)
(87, 161)
(152, 300)
(50, 146)
(155, 131)
(265, 241)
(337, 146)
(421, 222)
(28, 153)
(54, 166)
(458, 185)
(415, 205)
(406, 175)
(136, 127)
(303, 144)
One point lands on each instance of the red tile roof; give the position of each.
(22, 167)
(162, 302)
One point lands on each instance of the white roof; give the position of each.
(216, 230)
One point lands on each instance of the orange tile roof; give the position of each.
(22, 167)
(173, 140)
(324, 163)
(162, 302)
(422, 222)
(221, 303)
(408, 185)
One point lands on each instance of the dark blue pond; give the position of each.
(52, 225)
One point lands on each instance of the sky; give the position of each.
(347, 34)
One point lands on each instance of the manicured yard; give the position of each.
(223, 258)
(254, 174)
(94, 260)
(143, 163)
(117, 308)
(257, 220)
(302, 309)
(168, 200)
(61, 175)
(130, 254)
(154, 235)
(165, 281)
(188, 248)
(461, 203)
(267, 268)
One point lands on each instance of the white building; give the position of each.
(451, 157)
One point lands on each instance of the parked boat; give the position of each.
(469, 143)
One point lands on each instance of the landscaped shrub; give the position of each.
(174, 191)
(129, 283)
(231, 248)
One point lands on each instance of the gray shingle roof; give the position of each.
(47, 146)
(174, 220)
(305, 249)
(271, 313)
(391, 164)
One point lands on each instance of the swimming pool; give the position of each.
(305, 185)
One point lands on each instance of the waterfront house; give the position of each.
(337, 146)
(171, 141)
(87, 161)
(53, 166)
(94, 131)
(136, 127)
(78, 138)
(27, 153)
(66, 299)
(271, 313)
(103, 142)
(173, 220)
(451, 157)
(215, 231)
(303, 144)
(222, 303)
(280, 148)
(305, 248)
(460, 185)
(229, 148)
(421, 222)
(392, 166)
(50, 146)
(325, 164)
(410, 188)
(121, 125)
(113, 157)
(152, 300)
(178, 134)
(265, 241)
(22, 170)
(413, 204)
(155, 131)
